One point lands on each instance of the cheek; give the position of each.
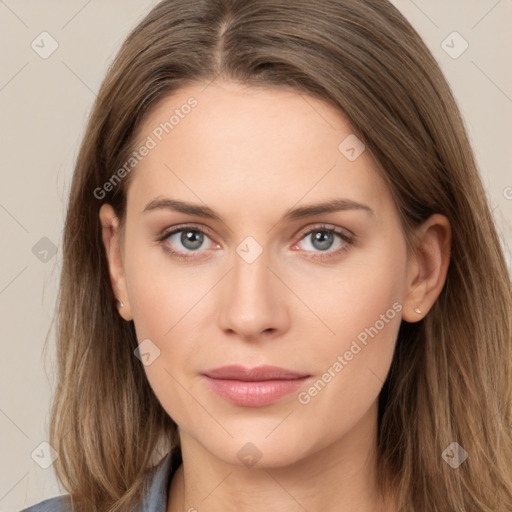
(159, 290)
(361, 306)
(168, 301)
(162, 298)
(359, 293)
(359, 351)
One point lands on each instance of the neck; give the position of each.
(339, 477)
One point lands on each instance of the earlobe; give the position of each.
(427, 267)
(111, 243)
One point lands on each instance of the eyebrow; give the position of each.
(334, 205)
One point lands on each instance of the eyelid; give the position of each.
(327, 227)
(182, 227)
(301, 233)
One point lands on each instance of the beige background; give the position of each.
(44, 104)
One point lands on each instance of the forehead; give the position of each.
(237, 146)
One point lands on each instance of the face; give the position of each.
(256, 278)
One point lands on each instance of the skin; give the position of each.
(251, 154)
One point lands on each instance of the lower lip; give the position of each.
(254, 393)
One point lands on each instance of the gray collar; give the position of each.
(159, 480)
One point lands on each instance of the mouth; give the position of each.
(253, 387)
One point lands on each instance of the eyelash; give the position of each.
(347, 239)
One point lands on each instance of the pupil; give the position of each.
(187, 239)
(324, 240)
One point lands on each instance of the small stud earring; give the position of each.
(119, 303)
(417, 310)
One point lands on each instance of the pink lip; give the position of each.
(253, 387)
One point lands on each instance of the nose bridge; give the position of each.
(250, 275)
(251, 303)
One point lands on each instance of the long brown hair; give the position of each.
(450, 379)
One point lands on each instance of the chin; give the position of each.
(257, 445)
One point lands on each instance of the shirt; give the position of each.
(155, 499)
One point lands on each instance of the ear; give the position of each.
(427, 266)
(111, 241)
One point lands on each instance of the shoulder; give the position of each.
(57, 504)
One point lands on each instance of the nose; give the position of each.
(254, 301)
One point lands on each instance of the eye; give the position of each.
(321, 239)
(187, 239)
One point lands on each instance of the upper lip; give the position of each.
(257, 373)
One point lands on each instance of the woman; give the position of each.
(282, 287)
